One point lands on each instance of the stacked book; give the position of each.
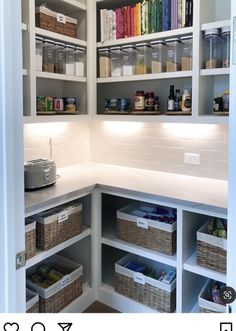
(147, 16)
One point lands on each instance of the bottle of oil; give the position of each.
(171, 99)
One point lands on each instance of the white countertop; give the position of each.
(79, 179)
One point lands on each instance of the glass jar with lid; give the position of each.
(158, 48)
(213, 53)
(59, 58)
(104, 63)
(80, 61)
(69, 60)
(225, 35)
(187, 53)
(143, 61)
(173, 55)
(116, 61)
(129, 53)
(39, 54)
(48, 55)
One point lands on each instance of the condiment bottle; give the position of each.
(186, 102)
(218, 103)
(171, 99)
(178, 106)
(139, 103)
(149, 101)
(226, 100)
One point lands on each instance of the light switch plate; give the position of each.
(190, 158)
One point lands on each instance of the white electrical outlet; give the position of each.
(190, 158)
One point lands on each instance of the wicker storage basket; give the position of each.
(32, 302)
(58, 225)
(50, 20)
(30, 238)
(211, 251)
(150, 234)
(146, 290)
(63, 292)
(206, 304)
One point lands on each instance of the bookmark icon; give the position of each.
(65, 326)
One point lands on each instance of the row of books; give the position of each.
(147, 16)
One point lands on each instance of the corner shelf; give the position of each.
(192, 266)
(68, 78)
(215, 25)
(60, 37)
(135, 78)
(215, 72)
(147, 37)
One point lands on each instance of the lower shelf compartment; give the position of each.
(55, 113)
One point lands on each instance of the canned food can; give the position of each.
(49, 103)
(58, 104)
(114, 104)
(41, 105)
(70, 104)
(107, 104)
(124, 104)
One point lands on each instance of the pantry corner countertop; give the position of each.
(82, 178)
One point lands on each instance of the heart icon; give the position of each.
(11, 327)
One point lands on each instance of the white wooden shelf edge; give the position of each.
(147, 253)
(215, 25)
(60, 37)
(108, 296)
(192, 266)
(82, 302)
(49, 75)
(215, 72)
(164, 75)
(40, 256)
(24, 27)
(147, 37)
(55, 118)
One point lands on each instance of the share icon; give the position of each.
(65, 326)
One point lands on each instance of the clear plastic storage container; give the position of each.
(104, 63)
(213, 54)
(187, 53)
(143, 65)
(39, 54)
(80, 61)
(60, 58)
(129, 54)
(48, 55)
(173, 55)
(116, 61)
(158, 56)
(225, 35)
(70, 60)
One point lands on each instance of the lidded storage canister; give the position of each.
(128, 55)
(158, 56)
(60, 58)
(143, 65)
(80, 61)
(212, 49)
(116, 61)
(104, 63)
(39, 53)
(173, 55)
(48, 55)
(225, 35)
(187, 53)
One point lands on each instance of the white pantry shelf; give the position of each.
(55, 118)
(68, 78)
(111, 240)
(60, 37)
(147, 37)
(134, 78)
(40, 256)
(192, 266)
(74, 4)
(215, 72)
(215, 25)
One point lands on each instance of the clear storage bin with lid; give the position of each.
(129, 53)
(116, 61)
(187, 53)
(80, 61)
(104, 63)
(70, 59)
(48, 55)
(158, 56)
(39, 54)
(173, 55)
(59, 58)
(213, 53)
(143, 65)
(225, 35)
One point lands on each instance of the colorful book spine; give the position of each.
(187, 13)
(190, 23)
(165, 15)
(139, 19)
(102, 24)
(154, 16)
(169, 15)
(114, 24)
(159, 15)
(174, 14)
(119, 23)
(179, 14)
(183, 13)
(147, 19)
(143, 17)
(132, 34)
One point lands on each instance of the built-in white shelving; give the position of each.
(215, 25)
(215, 72)
(68, 78)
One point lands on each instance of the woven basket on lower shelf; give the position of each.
(52, 21)
(30, 238)
(62, 293)
(32, 302)
(205, 302)
(211, 251)
(154, 235)
(150, 292)
(58, 225)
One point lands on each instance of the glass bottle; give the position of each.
(171, 99)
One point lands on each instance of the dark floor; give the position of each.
(98, 307)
